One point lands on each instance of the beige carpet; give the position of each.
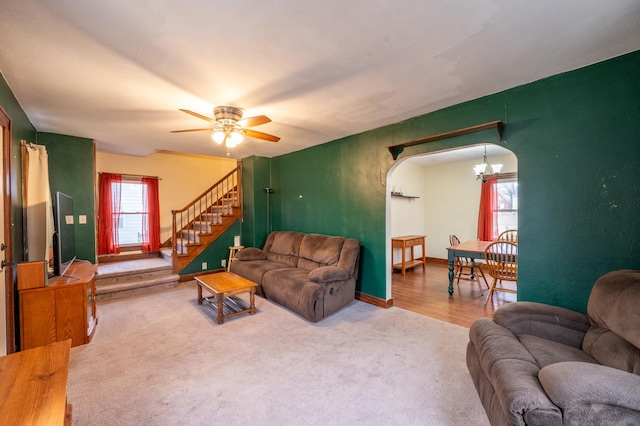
(162, 359)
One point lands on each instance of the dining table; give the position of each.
(473, 249)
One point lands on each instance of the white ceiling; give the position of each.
(117, 71)
(475, 152)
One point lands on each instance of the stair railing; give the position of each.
(217, 200)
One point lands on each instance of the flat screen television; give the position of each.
(64, 241)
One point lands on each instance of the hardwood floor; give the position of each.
(426, 293)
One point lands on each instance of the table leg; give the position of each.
(404, 269)
(252, 301)
(220, 297)
(450, 276)
(199, 293)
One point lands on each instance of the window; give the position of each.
(131, 212)
(507, 199)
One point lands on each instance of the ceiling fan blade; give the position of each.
(195, 114)
(191, 130)
(254, 121)
(260, 135)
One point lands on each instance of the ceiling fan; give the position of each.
(229, 128)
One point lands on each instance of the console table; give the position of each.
(408, 242)
(33, 385)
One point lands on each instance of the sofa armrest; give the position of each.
(251, 253)
(326, 274)
(591, 393)
(546, 321)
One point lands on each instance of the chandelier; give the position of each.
(484, 171)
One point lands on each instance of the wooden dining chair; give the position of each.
(471, 266)
(501, 259)
(509, 235)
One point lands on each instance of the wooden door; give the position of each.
(7, 318)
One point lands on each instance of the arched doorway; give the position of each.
(446, 201)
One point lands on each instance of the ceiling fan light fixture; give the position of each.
(235, 138)
(218, 137)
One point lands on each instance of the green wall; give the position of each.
(214, 253)
(255, 177)
(21, 129)
(577, 139)
(72, 171)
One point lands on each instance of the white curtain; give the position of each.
(39, 210)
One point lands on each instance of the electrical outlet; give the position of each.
(223, 263)
(204, 265)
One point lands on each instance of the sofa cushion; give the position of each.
(292, 289)
(615, 293)
(284, 247)
(325, 274)
(251, 253)
(592, 394)
(612, 350)
(319, 250)
(614, 337)
(254, 270)
(547, 351)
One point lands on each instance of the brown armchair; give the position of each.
(537, 364)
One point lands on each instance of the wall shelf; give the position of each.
(401, 195)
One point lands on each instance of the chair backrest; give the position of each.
(501, 259)
(614, 337)
(509, 235)
(453, 240)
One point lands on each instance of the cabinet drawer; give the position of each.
(414, 242)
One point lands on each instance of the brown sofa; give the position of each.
(310, 274)
(536, 364)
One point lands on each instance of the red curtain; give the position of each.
(109, 186)
(488, 210)
(150, 216)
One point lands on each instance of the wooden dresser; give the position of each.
(404, 243)
(33, 385)
(63, 309)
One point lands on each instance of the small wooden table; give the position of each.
(33, 385)
(233, 250)
(409, 241)
(223, 285)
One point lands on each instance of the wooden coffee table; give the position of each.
(223, 285)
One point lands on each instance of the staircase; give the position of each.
(116, 280)
(207, 217)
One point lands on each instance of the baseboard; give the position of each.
(375, 301)
(437, 260)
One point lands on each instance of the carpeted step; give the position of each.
(191, 235)
(132, 275)
(117, 280)
(127, 288)
(202, 227)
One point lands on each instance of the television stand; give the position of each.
(58, 309)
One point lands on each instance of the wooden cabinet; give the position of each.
(63, 309)
(404, 243)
